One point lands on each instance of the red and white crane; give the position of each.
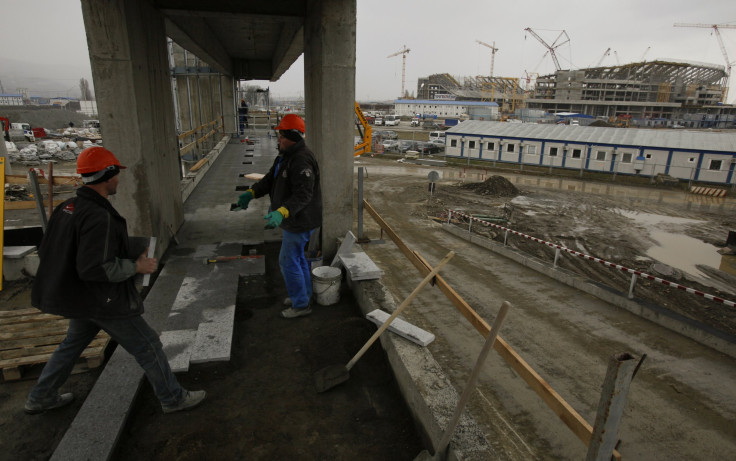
(402, 52)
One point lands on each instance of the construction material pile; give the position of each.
(46, 151)
(496, 186)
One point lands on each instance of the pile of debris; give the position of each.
(496, 186)
(16, 192)
(45, 151)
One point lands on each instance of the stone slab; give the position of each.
(214, 336)
(18, 252)
(402, 328)
(360, 266)
(178, 346)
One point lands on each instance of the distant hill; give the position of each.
(43, 79)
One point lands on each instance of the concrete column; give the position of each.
(228, 105)
(329, 82)
(128, 54)
(181, 89)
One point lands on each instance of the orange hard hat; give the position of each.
(94, 159)
(291, 122)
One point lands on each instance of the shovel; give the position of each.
(331, 376)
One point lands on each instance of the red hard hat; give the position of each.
(94, 159)
(291, 122)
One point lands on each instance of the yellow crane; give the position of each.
(402, 52)
(715, 28)
(493, 53)
(365, 131)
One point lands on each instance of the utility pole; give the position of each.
(493, 53)
(402, 52)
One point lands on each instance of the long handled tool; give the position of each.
(222, 259)
(331, 376)
(441, 452)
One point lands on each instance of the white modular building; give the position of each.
(443, 108)
(11, 99)
(692, 155)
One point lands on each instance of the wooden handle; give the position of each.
(396, 313)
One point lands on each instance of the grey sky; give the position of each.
(440, 34)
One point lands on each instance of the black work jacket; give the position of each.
(85, 245)
(296, 187)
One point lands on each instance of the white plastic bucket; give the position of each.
(326, 284)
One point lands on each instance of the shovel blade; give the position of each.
(331, 376)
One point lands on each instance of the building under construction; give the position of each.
(656, 93)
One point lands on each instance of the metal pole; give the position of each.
(634, 277)
(557, 257)
(360, 203)
(621, 368)
(39, 198)
(51, 188)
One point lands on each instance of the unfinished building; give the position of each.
(507, 92)
(651, 93)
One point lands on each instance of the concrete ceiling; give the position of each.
(250, 40)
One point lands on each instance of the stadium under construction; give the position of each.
(654, 93)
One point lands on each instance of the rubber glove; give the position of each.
(244, 199)
(275, 217)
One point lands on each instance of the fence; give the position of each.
(635, 274)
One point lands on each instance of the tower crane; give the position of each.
(605, 53)
(715, 28)
(493, 53)
(402, 52)
(645, 53)
(551, 48)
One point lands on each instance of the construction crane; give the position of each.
(551, 48)
(615, 53)
(2, 89)
(605, 53)
(402, 52)
(645, 53)
(715, 28)
(493, 53)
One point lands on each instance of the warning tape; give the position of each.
(598, 260)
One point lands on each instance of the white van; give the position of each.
(391, 120)
(437, 136)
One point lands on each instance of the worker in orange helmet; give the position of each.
(86, 274)
(293, 184)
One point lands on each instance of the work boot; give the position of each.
(33, 408)
(191, 399)
(292, 313)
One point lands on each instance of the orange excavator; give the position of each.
(365, 130)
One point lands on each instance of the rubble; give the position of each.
(496, 186)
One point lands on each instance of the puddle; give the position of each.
(683, 252)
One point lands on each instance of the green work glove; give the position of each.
(274, 219)
(244, 199)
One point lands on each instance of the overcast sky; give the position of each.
(49, 34)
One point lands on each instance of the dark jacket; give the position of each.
(296, 187)
(85, 268)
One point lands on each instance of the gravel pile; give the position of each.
(496, 186)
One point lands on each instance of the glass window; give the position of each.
(491, 146)
(553, 152)
(715, 165)
(510, 147)
(471, 144)
(531, 149)
(691, 160)
(626, 157)
(577, 153)
(453, 143)
(600, 155)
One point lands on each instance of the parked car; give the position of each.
(430, 148)
(378, 121)
(431, 125)
(390, 145)
(388, 134)
(415, 122)
(407, 144)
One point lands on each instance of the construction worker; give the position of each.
(86, 273)
(293, 185)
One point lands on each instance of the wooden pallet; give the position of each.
(28, 337)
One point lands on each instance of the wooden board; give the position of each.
(28, 337)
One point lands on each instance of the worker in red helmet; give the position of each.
(293, 184)
(86, 274)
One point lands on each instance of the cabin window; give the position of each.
(626, 157)
(531, 149)
(491, 146)
(577, 153)
(600, 155)
(715, 165)
(471, 144)
(553, 152)
(510, 147)
(453, 143)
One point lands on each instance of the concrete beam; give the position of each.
(200, 41)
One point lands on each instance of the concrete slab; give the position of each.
(215, 336)
(18, 252)
(402, 328)
(360, 266)
(178, 346)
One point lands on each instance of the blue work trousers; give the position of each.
(133, 334)
(295, 267)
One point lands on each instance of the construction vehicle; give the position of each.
(365, 130)
(14, 132)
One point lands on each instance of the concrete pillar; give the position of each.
(329, 82)
(128, 54)
(228, 105)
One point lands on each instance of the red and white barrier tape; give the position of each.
(601, 261)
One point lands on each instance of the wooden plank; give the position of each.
(28, 318)
(25, 204)
(47, 348)
(60, 180)
(579, 426)
(16, 312)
